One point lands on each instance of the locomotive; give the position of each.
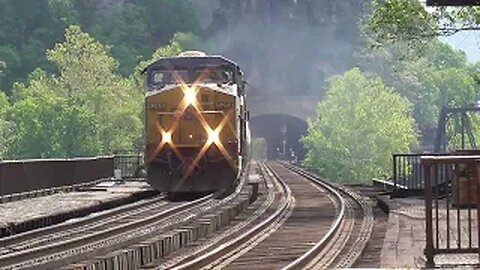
(197, 134)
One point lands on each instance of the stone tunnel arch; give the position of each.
(269, 127)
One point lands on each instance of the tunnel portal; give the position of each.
(274, 128)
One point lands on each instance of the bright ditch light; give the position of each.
(190, 96)
(167, 137)
(213, 136)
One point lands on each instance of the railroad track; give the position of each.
(136, 228)
(96, 221)
(55, 246)
(308, 224)
(352, 234)
(30, 214)
(299, 222)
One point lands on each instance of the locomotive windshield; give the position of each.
(162, 77)
(213, 75)
(218, 74)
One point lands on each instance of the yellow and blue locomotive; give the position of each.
(197, 134)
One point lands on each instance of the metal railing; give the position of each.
(451, 218)
(26, 175)
(129, 166)
(17, 176)
(408, 174)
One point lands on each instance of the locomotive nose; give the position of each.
(186, 166)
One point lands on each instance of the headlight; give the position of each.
(166, 137)
(190, 96)
(213, 136)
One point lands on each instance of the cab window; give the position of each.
(161, 77)
(213, 75)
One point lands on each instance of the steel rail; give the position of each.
(25, 255)
(78, 248)
(241, 239)
(307, 257)
(230, 246)
(228, 251)
(92, 218)
(310, 255)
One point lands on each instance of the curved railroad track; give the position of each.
(309, 224)
(127, 227)
(64, 243)
(351, 236)
(96, 221)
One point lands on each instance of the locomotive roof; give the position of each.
(189, 62)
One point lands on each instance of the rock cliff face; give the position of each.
(284, 46)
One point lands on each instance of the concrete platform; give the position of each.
(404, 242)
(27, 214)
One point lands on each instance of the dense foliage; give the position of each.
(359, 124)
(80, 94)
(354, 139)
(84, 108)
(401, 20)
(5, 126)
(391, 21)
(134, 29)
(429, 73)
(78, 91)
(429, 78)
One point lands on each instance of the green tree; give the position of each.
(11, 63)
(401, 20)
(88, 74)
(3, 66)
(47, 127)
(408, 20)
(6, 128)
(133, 29)
(164, 18)
(431, 77)
(359, 125)
(27, 29)
(86, 109)
(172, 49)
(125, 28)
(137, 27)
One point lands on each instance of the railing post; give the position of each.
(394, 173)
(428, 213)
(477, 177)
(1, 177)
